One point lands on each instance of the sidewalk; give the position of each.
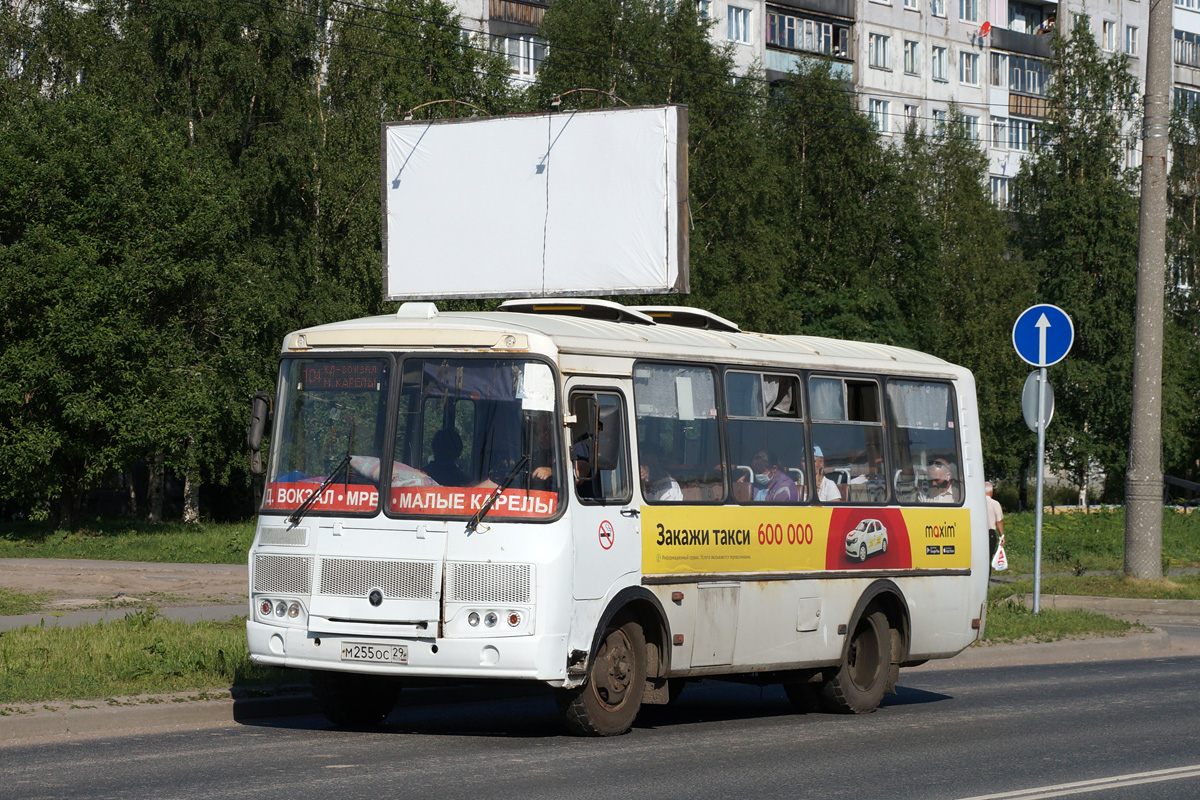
(1176, 631)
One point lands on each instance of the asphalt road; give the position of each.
(953, 733)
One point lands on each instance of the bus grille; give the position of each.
(287, 574)
(355, 577)
(293, 537)
(474, 582)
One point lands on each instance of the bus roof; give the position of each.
(575, 330)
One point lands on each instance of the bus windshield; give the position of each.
(468, 422)
(332, 421)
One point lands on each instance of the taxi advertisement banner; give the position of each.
(725, 539)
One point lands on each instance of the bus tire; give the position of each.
(349, 700)
(608, 702)
(858, 685)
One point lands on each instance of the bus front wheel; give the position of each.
(354, 701)
(858, 685)
(608, 702)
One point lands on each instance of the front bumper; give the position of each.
(542, 658)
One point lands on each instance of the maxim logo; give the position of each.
(939, 531)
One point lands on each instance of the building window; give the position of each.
(968, 68)
(939, 63)
(1022, 133)
(1190, 4)
(968, 10)
(939, 123)
(1186, 99)
(1131, 40)
(1025, 18)
(878, 112)
(1027, 75)
(797, 33)
(970, 128)
(910, 116)
(999, 133)
(1108, 35)
(525, 54)
(999, 76)
(738, 24)
(1000, 191)
(912, 57)
(910, 5)
(704, 9)
(937, 8)
(879, 51)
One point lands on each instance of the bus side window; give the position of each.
(599, 455)
(924, 442)
(847, 441)
(676, 408)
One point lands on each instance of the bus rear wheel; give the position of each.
(609, 701)
(349, 700)
(858, 685)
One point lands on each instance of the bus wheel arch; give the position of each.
(627, 666)
(876, 644)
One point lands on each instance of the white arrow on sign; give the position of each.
(1042, 324)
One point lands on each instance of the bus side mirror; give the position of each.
(260, 415)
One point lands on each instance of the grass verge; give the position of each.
(13, 603)
(124, 540)
(1180, 587)
(143, 653)
(1008, 622)
(1076, 543)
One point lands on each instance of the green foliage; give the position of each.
(1077, 226)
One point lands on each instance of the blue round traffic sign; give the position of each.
(1043, 335)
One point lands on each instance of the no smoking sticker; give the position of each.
(607, 534)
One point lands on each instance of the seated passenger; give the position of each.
(941, 485)
(827, 490)
(771, 483)
(657, 484)
(443, 468)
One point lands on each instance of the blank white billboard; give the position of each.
(536, 205)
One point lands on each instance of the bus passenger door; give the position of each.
(604, 521)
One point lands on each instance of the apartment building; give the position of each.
(909, 60)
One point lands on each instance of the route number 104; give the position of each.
(769, 533)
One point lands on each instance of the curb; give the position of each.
(159, 712)
(1070, 651)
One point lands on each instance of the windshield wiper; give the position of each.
(343, 466)
(473, 523)
(299, 513)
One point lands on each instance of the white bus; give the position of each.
(611, 500)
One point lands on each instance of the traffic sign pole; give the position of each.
(1042, 335)
(1041, 457)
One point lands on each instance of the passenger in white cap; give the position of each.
(827, 490)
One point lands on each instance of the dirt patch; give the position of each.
(77, 583)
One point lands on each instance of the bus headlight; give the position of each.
(490, 619)
(280, 608)
(265, 607)
(473, 619)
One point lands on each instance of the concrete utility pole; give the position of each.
(1143, 481)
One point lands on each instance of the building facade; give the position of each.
(909, 60)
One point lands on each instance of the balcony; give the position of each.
(832, 8)
(1029, 44)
